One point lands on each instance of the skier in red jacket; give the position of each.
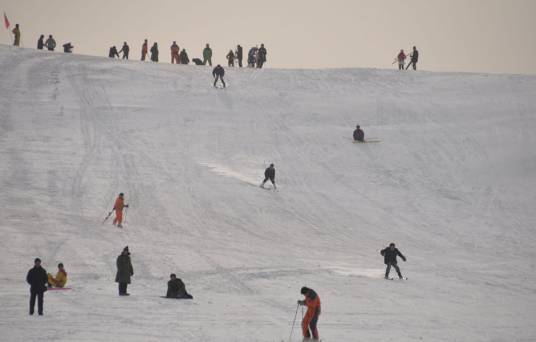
(312, 301)
(118, 207)
(401, 60)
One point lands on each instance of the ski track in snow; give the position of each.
(452, 183)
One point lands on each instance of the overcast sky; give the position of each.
(451, 35)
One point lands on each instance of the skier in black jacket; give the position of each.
(269, 173)
(414, 59)
(359, 135)
(37, 278)
(389, 258)
(218, 73)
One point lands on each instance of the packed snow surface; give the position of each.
(452, 183)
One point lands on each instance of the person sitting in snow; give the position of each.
(176, 288)
(359, 135)
(61, 277)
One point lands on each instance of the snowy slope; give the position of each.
(452, 183)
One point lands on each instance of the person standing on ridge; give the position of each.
(154, 52)
(218, 74)
(118, 207)
(124, 271)
(207, 55)
(40, 42)
(37, 278)
(239, 55)
(144, 49)
(125, 50)
(113, 52)
(414, 58)
(389, 258)
(61, 277)
(230, 57)
(252, 56)
(269, 174)
(50, 43)
(261, 56)
(310, 320)
(175, 53)
(359, 135)
(16, 33)
(401, 60)
(184, 57)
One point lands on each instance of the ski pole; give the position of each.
(293, 322)
(107, 216)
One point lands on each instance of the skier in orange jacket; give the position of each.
(118, 207)
(312, 301)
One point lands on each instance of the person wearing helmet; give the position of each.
(118, 207)
(310, 320)
(359, 135)
(389, 258)
(269, 174)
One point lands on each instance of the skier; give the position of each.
(175, 53)
(37, 278)
(61, 277)
(389, 257)
(118, 207)
(239, 55)
(68, 47)
(401, 60)
(40, 42)
(154, 52)
(144, 50)
(16, 33)
(261, 56)
(414, 59)
(125, 50)
(269, 173)
(218, 74)
(176, 288)
(184, 57)
(230, 57)
(359, 135)
(310, 320)
(207, 55)
(113, 52)
(124, 271)
(50, 43)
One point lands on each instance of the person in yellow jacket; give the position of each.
(61, 277)
(16, 33)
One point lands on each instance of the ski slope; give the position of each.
(452, 183)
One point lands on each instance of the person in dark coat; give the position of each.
(389, 258)
(40, 42)
(218, 74)
(176, 288)
(50, 43)
(124, 271)
(184, 57)
(239, 55)
(252, 56)
(230, 57)
(359, 135)
(125, 50)
(113, 52)
(154, 52)
(261, 56)
(197, 61)
(414, 58)
(68, 47)
(269, 174)
(37, 278)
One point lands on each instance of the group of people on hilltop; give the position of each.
(401, 59)
(49, 44)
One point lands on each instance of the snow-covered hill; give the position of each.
(452, 183)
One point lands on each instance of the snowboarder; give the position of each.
(389, 258)
(269, 174)
(16, 34)
(184, 57)
(176, 288)
(239, 55)
(230, 57)
(175, 53)
(401, 58)
(207, 55)
(124, 271)
(261, 56)
(414, 59)
(218, 73)
(144, 50)
(125, 50)
(359, 135)
(40, 42)
(68, 47)
(50, 43)
(154, 52)
(113, 52)
(37, 278)
(310, 320)
(118, 207)
(61, 277)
